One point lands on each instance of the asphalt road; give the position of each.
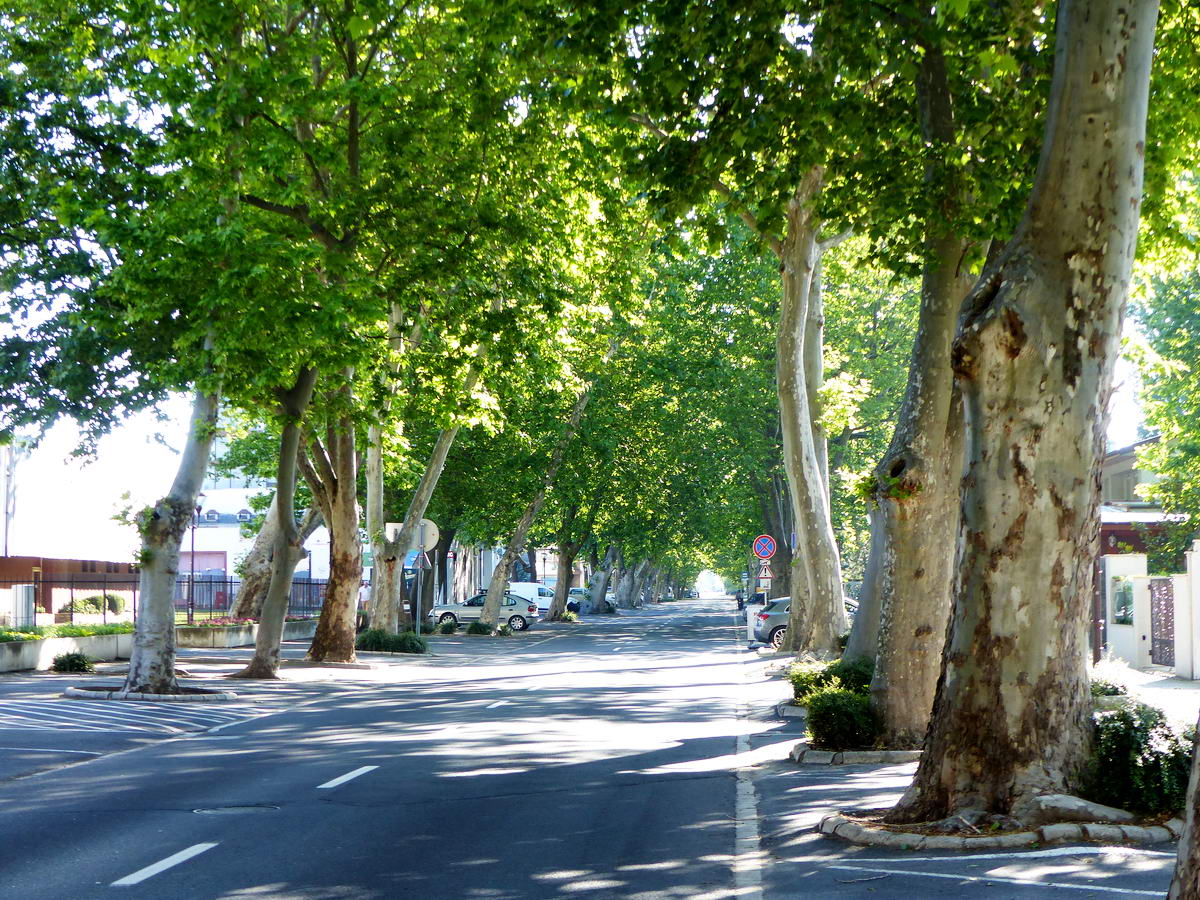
(624, 757)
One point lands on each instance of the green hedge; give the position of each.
(96, 604)
(41, 632)
(1138, 761)
(840, 720)
(380, 640)
(852, 675)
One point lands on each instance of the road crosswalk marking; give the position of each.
(94, 715)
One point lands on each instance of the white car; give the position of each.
(515, 612)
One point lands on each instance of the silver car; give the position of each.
(515, 612)
(770, 625)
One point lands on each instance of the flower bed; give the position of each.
(217, 633)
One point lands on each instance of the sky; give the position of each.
(65, 506)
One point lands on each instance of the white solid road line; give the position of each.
(162, 865)
(53, 750)
(494, 705)
(747, 839)
(342, 779)
(1003, 879)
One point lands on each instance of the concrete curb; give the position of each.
(1062, 833)
(806, 756)
(788, 710)
(189, 697)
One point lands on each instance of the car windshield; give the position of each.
(775, 606)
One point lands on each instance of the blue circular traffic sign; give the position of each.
(764, 546)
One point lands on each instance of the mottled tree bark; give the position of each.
(293, 404)
(1034, 358)
(818, 616)
(1186, 883)
(256, 567)
(152, 662)
(600, 580)
(331, 470)
(910, 573)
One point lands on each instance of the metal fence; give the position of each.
(87, 598)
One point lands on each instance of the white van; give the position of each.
(533, 592)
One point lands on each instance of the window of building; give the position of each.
(1122, 601)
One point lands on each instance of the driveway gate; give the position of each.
(1162, 621)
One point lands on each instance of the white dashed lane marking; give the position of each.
(162, 865)
(97, 715)
(342, 779)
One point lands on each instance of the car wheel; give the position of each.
(447, 617)
(777, 636)
(518, 623)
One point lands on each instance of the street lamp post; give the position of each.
(191, 602)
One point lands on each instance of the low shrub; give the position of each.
(1138, 761)
(448, 627)
(428, 628)
(505, 631)
(408, 642)
(1104, 687)
(851, 675)
(378, 640)
(96, 604)
(479, 628)
(371, 639)
(569, 616)
(72, 662)
(840, 720)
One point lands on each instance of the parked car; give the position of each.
(515, 612)
(576, 597)
(770, 625)
(534, 593)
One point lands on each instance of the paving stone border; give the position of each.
(788, 710)
(803, 754)
(191, 695)
(840, 826)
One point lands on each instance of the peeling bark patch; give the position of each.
(920, 573)
(923, 631)
(1014, 339)
(1011, 542)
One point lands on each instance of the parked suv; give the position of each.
(515, 612)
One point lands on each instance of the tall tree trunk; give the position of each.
(1186, 883)
(288, 549)
(917, 480)
(445, 542)
(152, 662)
(387, 598)
(562, 587)
(331, 471)
(499, 582)
(256, 567)
(1034, 358)
(818, 616)
(864, 631)
(600, 580)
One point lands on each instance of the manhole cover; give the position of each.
(233, 810)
